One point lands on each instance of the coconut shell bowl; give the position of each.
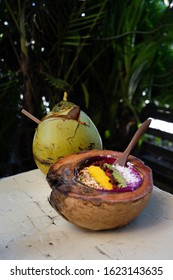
(96, 208)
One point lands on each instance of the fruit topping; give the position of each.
(100, 176)
(111, 177)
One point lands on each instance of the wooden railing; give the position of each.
(157, 148)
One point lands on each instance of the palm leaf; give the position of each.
(57, 82)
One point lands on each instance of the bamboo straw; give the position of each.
(30, 116)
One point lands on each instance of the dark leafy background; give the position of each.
(112, 57)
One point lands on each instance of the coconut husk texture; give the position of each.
(92, 208)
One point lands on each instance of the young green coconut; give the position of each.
(63, 131)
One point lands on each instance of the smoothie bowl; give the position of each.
(91, 191)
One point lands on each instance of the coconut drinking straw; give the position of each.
(30, 116)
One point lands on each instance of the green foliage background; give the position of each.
(112, 57)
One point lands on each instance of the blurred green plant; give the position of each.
(112, 58)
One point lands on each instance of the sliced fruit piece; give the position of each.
(99, 175)
(117, 176)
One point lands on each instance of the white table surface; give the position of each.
(31, 229)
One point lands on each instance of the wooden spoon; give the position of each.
(123, 158)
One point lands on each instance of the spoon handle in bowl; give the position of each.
(141, 130)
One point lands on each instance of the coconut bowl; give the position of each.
(90, 208)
